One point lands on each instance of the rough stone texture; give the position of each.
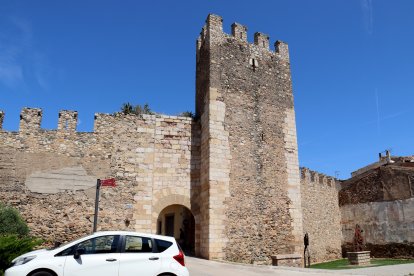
(388, 222)
(321, 215)
(1, 119)
(50, 176)
(359, 258)
(235, 167)
(389, 250)
(388, 182)
(292, 260)
(253, 205)
(68, 121)
(381, 201)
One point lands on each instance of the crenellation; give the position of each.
(321, 215)
(1, 119)
(261, 40)
(30, 119)
(239, 31)
(331, 181)
(312, 177)
(305, 174)
(282, 49)
(214, 28)
(212, 33)
(68, 121)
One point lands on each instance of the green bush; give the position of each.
(13, 236)
(12, 246)
(187, 114)
(11, 222)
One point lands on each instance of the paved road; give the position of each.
(200, 267)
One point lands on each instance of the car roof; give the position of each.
(132, 233)
(104, 233)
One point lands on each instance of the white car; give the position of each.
(112, 253)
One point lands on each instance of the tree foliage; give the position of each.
(11, 222)
(128, 108)
(187, 114)
(12, 246)
(14, 239)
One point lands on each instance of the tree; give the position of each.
(14, 239)
(187, 114)
(11, 222)
(128, 108)
(146, 109)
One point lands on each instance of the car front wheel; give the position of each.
(42, 273)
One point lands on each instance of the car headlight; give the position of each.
(23, 260)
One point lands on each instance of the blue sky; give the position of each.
(352, 65)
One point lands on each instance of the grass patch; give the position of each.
(343, 263)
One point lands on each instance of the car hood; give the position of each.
(31, 253)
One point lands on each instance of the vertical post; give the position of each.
(95, 217)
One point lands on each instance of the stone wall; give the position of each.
(388, 227)
(249, 169)
(321, 215)
(50, 176)
(235, 168)
(381, 201)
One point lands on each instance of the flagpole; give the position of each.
(95, 217)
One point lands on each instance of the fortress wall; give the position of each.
(50, 175)
(381, 202)
(321, 215)
(246, 90)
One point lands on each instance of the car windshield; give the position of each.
(59, 244)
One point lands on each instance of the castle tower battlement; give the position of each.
(30, 120)
(245, 101)
(310, 177)
(212, 33)
(239, 31)
(1, 119)
(68, 121)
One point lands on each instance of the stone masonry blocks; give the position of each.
(235, 165)
(1, 119)
(257, 209)
(30, 119)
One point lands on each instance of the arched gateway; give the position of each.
(173, 215)
(177, 221)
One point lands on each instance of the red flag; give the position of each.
(108, 182)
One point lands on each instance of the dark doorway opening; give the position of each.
(169, 225)
(177, 221)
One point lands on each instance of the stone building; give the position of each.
(380, 198)
(227, 184)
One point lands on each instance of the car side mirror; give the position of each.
(78, 253)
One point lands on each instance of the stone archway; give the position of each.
(166, 197)
(177, 221)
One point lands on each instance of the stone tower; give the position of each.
(250, 206)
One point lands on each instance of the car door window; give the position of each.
(67, 252)
(135, 244)
(162, 245)
(99, 245)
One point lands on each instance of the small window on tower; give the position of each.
(254, 63)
